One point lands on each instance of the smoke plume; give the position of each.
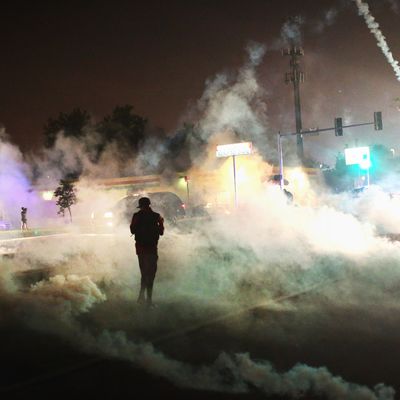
(363, 9)
(233, 104)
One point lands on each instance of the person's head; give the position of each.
(144, 202)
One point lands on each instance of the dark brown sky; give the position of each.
(156, 55)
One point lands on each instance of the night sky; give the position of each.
(157, 56)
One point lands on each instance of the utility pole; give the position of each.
(296, 76)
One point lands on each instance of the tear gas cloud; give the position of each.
(233, 102)
(227, 265)
(15, 182)
(251, 257)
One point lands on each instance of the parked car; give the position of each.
(168, 204)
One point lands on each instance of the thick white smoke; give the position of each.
(54, 306)
(363, 10)
(238, 373)
(229, 264)
(376, 206)
(234, 103)
(77, 294)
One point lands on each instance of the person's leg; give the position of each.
(151, 274)
(141, 298)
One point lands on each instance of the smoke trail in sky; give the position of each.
(363, 10)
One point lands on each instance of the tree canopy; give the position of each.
(72, 124)
(123, 127)
(66, 197)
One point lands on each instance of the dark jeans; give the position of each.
(148, 269)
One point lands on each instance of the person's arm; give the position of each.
(161, 225)
(133, 224)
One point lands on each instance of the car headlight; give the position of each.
(108, 214)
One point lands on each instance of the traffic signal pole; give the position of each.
(338, 128)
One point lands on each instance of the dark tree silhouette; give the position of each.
(123, 127)
(71, 124)
(66, 197)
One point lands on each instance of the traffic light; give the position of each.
(365, 162)
(378, 121)
(338, 127)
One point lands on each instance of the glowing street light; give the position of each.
(359, 156)
(185, 180)
(47, 195)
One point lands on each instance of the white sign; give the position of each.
(234, 149)
(357, 155)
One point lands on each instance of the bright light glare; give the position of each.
(356, 155)
(182, 182)
(334, 232)
(108, 214)
(241, 175)
(298, 178)
(365, 164)
(47, 195)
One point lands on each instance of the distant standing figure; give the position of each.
(24, 221)
(147, 226)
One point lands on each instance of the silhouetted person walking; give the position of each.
(147, 226)
(24, 221)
